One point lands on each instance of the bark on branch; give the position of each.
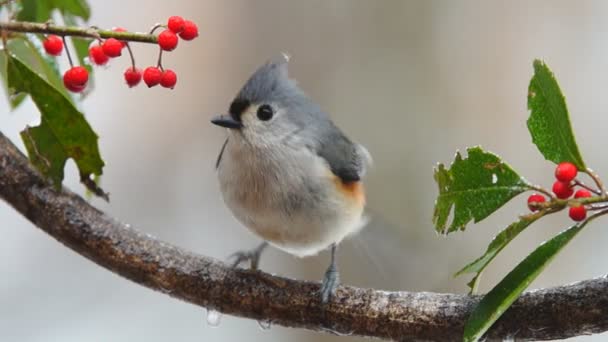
(554, 313)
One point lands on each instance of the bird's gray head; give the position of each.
(269, 107)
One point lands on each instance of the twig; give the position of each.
(404, 316)
(598, 181)
(49, 28)
(584, 186)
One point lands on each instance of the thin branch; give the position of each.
(587, 187)
(597, 181)
(554, 313)
(91, 32)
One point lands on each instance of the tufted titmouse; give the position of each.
(288, 173)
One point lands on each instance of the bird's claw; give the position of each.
(253, 256)
(331, 280)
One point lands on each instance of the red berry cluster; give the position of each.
(563, 188)
(76, 78)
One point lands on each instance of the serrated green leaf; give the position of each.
(63, 132)
(473, 188)
(549, 122)
(41, 11)
(500, 298)
(499, 242)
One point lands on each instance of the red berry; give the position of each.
(132, 76)
(168, 79)
(97, 56)
(582, 193)
(578, 213)
(176, 24)
(190, 30)
(562, 190)
(53, 45)
(152, 76)
(76, 78)
(167, 40)
(112, 47)
(565, 172)
(535, 198)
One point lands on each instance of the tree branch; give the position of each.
(554, 313)
(91, 32)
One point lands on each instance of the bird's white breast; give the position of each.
(288, 197)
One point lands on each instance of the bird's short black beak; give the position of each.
(226, 121)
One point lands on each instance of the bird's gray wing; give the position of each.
(347, 160)
(219, 157)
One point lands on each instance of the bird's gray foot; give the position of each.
(331, 279)
(253, 256)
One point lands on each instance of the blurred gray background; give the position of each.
(412, 80)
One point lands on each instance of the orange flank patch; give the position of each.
(352, 190)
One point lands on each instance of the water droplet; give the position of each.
(165, 291)
(265, 324)
(214, 318)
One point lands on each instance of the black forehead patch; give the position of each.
(237, 107)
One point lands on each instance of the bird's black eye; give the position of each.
(265, 112)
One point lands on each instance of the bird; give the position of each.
(288, 173)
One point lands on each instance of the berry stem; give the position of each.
(131, 55)
(585, 186)
(598, 207)
(598, 182)
(67, 51)
(594, 216)
(156, 27)
(48, 28)
(159, 64)
(541, 190)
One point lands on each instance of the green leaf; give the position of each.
(14, 100)
(41, 11)
(35, 10)
(63, 132)
(549, 122)
(500, 298)
(499, 242)
(42, 63)
(78, 8)
(473, 188)
(28, 48)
